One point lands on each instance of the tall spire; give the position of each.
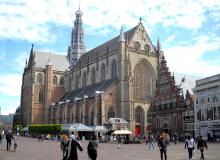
(122, 36)
(76, 48)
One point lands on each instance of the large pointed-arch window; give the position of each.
(113, 69)
(111, 112)
(77, 82)
(84, 79)
(103, 72)
(81, 116)
(143, 82)
(41, 96)
(93, 76)
(92, 116)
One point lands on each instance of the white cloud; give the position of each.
(10, 84)
(188, 58)
(32, 20)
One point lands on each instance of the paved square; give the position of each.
(31, 149)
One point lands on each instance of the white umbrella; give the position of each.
(122, 132)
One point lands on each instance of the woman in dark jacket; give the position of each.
(73, 144)
(92, 148)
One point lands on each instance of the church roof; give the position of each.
(108, 46)
(89, 91)
(59, 62)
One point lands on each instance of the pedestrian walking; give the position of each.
(64, 141)
(92, 148)
(190, 145)
(119, 141)
(8, 138)
(201, 146)
(162, 144)
(151, 142)
(73, 144)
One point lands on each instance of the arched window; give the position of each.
(146, 49)
(111, 112)
(77, 82)
(41, 96)
(70, 82)
(61, 81)
(81, 116)
(55, 80)
(114, 69)
(92, 116)
(103, 74)
(143, 82)
(137, 46)
(93, 76)
(39, 78)
(84, 79)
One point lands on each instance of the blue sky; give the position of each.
(189, 32)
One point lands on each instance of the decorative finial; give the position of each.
(49, 60)
(140, 19)
(122, 36)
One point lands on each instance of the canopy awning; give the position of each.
(98, 128)
(122, 132)
(76, 127)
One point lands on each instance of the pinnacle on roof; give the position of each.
(158, 45)
(122, 35)
(49, 60)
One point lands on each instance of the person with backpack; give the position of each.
(190, 145)
(162, 144)
(92, 148)
(201, 146)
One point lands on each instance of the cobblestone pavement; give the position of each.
(30, 149)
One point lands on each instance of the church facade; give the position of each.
(114, 80)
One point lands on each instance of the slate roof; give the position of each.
(59, 62)
(89, 91)
(101, 50)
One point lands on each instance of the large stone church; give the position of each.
(114, 79)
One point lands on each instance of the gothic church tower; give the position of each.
(76, 48)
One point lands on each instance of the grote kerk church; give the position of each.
(115, 79)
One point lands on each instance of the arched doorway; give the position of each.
(139, 121)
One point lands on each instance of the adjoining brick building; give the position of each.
(172, 106)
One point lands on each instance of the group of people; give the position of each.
(190, 145)
(69, 146)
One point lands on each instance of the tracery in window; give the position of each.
(93, 76)
(114, 69)
(84, 79)
(143, 82)
(103, 73)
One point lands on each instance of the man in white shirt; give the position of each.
(190, 145)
